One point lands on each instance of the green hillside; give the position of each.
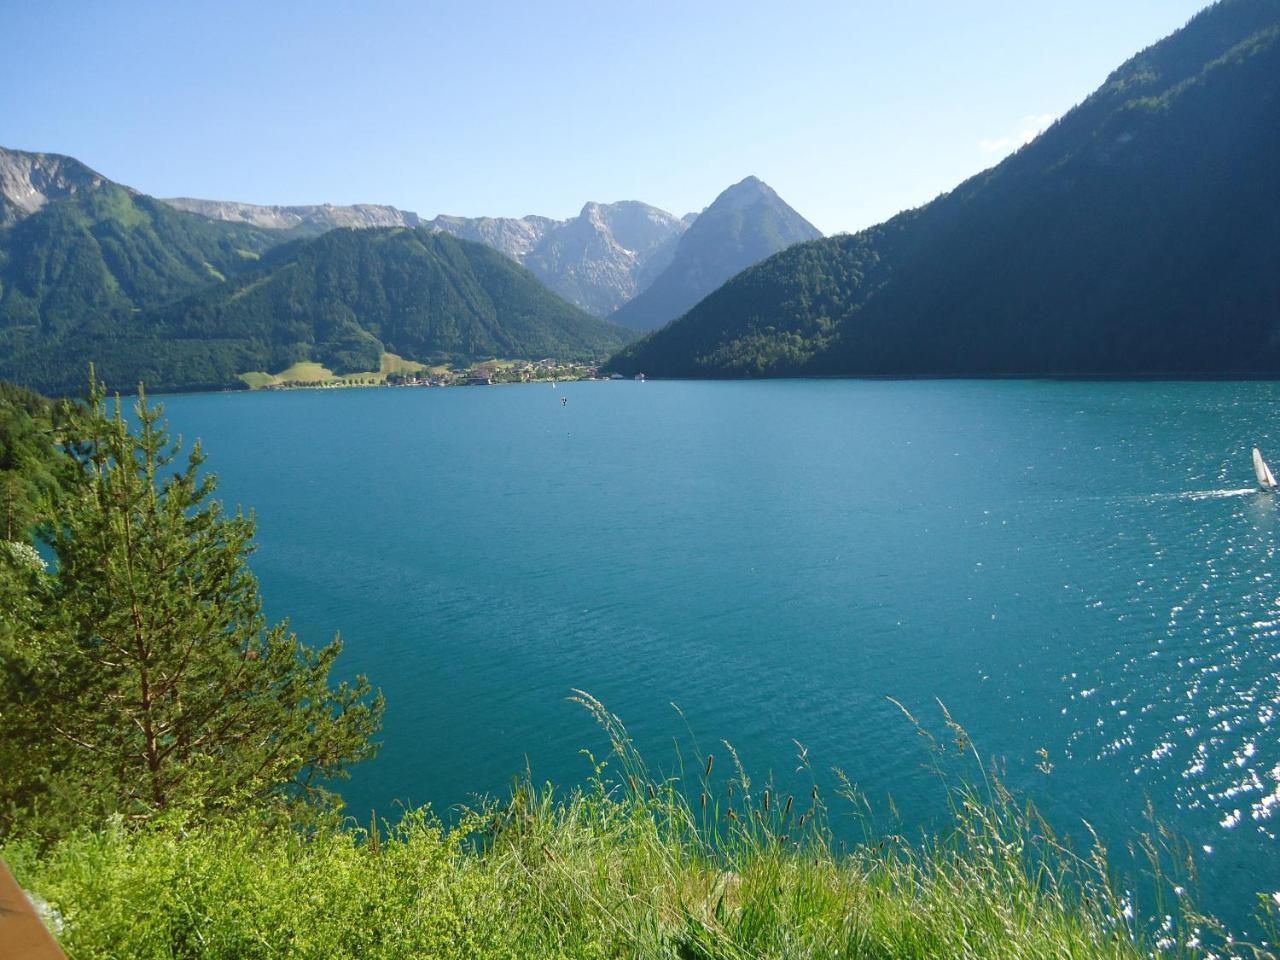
(1138, 235)
(76, 276)
(149, 293)
(112, 250)
(346, 297)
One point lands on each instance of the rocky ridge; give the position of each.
(30, 180)
(597, 260)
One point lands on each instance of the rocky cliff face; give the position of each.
(515, 237)
(607, 254)
(30, 180)
(307, 220)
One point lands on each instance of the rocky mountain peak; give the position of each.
(744, 193)
(30, 180)
(744, 224)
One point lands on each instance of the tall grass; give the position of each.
(628, 866)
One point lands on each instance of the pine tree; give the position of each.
(145, 676)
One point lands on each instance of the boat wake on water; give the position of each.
(1213, 494)
(1185, 495)
(1266, 484)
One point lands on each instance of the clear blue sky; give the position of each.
(851, 109)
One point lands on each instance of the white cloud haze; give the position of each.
(1028, 129)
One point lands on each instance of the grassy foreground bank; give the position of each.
(626, 867)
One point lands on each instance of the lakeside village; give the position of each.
(490, 372)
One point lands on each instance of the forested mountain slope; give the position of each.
(1138, 235)
(345, 297)
(106, 275)
(84, 268)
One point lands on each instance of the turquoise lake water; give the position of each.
(1079, 567)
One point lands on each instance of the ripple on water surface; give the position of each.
(1081, 567)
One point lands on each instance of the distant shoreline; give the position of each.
(977, 378)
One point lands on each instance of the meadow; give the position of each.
(629, 865)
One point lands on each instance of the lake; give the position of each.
(1083, 568)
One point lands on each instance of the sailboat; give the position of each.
(1266, 479)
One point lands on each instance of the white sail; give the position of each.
(1266, 479)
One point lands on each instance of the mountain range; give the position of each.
(1140, 234)
(1136, 236)
(94, 272)
(597, 260)
(187, 293)
(628, 260)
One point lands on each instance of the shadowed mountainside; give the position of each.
(745, 224)
(1138, 235)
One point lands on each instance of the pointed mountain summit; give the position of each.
(745, 224)
(1137, 235)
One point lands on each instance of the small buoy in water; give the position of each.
(564, 401)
